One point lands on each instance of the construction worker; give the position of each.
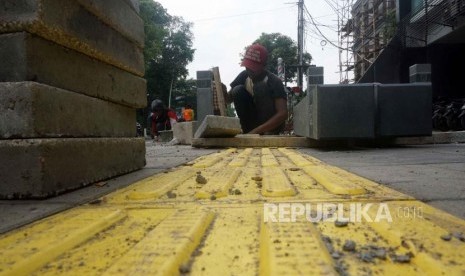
(259, 96)
(188, 113)
(162, 118)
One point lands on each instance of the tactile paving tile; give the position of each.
(231, 224)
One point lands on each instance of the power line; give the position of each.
(238, 15)
(320, 32)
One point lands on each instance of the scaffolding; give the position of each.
(345, 41)
(371, 26)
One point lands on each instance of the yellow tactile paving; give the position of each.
(241, 159)
(293, 249)
(23, 252)
(219, 184)
(253, 211)
(165, 248)
(161, 185)
(268, 159)
(332, 182)
(209, 161)
(256, 180)
(276, 183)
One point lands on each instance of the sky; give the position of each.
(223, 28)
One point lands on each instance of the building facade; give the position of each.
(373, 26)
(425, 31)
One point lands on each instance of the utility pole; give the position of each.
(300, 44)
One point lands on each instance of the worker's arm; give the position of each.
(280, 116)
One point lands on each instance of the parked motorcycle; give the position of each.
(452, 115)
(462, 116)
(449, 114)
(439, 121)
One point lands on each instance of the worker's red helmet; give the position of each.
(255, 57)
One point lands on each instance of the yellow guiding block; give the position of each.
(165, 248)
(249, 211)
(268, 159)
(332, 182)
(219, 184)
(293, 249)
(24, 252)
(276, 183)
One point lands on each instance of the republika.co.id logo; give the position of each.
(331, 212)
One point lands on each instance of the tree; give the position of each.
(282, 46)
(168, 50)
(184, 92)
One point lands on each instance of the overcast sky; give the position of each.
(223, 28)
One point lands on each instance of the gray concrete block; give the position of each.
(404, 109)
(343, 111)
(134, 4)
(420, 68)
(315, 75)
(218, 126)
(116, 14)
(302, 119)
(207, 74)
(205, 83)
(26, 57)
(38, 168)
(184, 132)
(420, 73)
(204, 103)
(70, 24)
(165, 135)
(29, 109)
(337, 112)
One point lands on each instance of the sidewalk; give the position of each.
(159, 158)
(434, 174)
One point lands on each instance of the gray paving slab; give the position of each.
(431, 173)
(15, 213)
(27, 57)
(453, 206)
(218, 127)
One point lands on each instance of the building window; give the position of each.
(417, 4)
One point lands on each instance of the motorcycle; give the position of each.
(452, 115)
(439, 121)
(461, 117)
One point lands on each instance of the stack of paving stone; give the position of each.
(70, 82)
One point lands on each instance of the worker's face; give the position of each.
(254, 73)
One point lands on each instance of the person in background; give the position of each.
(258, 95)
(188, 113)
(162, 118)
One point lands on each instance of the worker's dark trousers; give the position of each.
(245, 108)
(252, 111)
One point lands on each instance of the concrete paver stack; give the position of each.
(70, 83)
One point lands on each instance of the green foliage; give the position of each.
(184, 92)
(168, 49)
(282, 46)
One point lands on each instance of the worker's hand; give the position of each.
(229, 96)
